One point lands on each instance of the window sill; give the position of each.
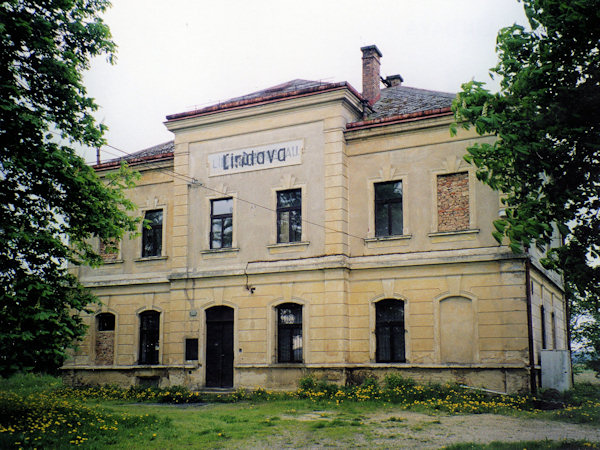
(150, 258)
(111, 261)
(388, 241)
(219, 252)
(285, 247)
(450, 236)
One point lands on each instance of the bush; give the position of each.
(371, 383)
(394, 380)
(328, 388)
(307, 383)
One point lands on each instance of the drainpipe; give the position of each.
(532, 380)
(567, 302)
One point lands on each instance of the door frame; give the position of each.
(234, 340)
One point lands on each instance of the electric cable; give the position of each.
(194, 181)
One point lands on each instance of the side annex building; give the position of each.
(311, 228)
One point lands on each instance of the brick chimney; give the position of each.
(370, 73)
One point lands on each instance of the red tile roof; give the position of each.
(291, 89)
(397, 104)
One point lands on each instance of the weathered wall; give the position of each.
(464, 297)
(104, 348)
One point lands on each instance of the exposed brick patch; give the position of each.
(105, 345)
(453, 201)
(108, 252)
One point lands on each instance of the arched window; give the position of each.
(389, 331)
(149, 335)
(105, 322)
(289, 333)
(105, 339)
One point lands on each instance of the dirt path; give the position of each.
(405, 429)
(424, 431)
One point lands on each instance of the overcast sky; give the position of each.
(178, 55)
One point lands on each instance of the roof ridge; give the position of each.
(420, 89)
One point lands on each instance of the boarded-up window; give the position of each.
(453, 201)
(105, 339)
(109, 250)
(457, 330)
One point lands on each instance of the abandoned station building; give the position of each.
(310, 228)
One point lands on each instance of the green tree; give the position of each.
(51, 202)
(545, 159)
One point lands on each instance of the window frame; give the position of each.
(296, 329)
(146, 357)
(112, 257)
(450, 166)
(470, 204)
(101, 324)
(390, 324)
(221, 218)
(387, 205)
(192, 348)
(543, 327)
(283, 209)
(157, 234)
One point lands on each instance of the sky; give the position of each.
(179, 55)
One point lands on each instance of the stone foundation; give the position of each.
(509, 380)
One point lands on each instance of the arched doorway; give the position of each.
(149, 337)
(219, 346)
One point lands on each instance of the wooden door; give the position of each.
(219, 346)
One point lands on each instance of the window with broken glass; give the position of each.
(221, 229)
(152, 232)
(289, 333)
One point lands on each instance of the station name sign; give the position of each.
(256, 158)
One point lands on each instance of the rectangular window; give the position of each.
(149, 336)
(388, 208)
(191, 349)
(553, 318)
(543, 323)
(453, 202)
(152, 233)
(289, 333)
(221, 228)
(289, 216)
(389, 331)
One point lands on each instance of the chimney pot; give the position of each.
(370, 73)
(394, 80)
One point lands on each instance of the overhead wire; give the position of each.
(194, 181)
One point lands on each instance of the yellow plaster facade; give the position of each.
(468, 314)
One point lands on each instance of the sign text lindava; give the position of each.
(256, 158)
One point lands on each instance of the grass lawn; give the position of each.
(39, 412)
